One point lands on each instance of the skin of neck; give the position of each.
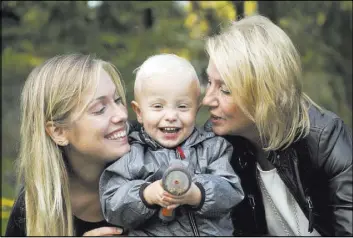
(84, 174)
(84, 171)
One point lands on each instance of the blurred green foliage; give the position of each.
(127, 32)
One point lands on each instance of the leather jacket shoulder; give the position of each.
(330, 152)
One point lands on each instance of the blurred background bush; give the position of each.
(127, 32)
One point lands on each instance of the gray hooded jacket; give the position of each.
(207, 158)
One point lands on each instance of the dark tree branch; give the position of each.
(148, 18)
(268, 9)
(239, 7)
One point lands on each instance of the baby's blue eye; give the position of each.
(157, 106)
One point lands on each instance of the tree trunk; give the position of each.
(239, 8)
(268, 9)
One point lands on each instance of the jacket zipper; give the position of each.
(310, 207)
(192, 219)
(252, 203)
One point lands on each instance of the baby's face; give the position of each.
(168, 109)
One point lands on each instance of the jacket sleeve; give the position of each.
(335, 153)
(16, 225)
(120, 186)
(220, 186)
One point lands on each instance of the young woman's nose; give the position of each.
(210, 99)
(120, 114)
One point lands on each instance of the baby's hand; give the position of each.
(191, 197)
(154, 194)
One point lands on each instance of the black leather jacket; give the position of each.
(317, 170)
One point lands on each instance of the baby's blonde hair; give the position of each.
(260, 65)
(52, 92)
(164, 66)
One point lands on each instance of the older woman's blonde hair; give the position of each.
(260, 65)
(52, 92)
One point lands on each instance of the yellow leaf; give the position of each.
(35, 61)
(250, 7)
(320, 19)
(5, 215)
(191, 20)
(203, 26)
(226, 11)
(283, 23)
(185, 53)
(205, 4)
(5, 202)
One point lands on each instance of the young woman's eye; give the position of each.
(225, 91)
(118, 100)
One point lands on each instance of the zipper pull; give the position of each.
(180, 152)
(311, 217)
(252, 203)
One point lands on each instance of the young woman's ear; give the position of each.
(56, 133)
(137, 110)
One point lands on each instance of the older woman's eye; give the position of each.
(99, 112)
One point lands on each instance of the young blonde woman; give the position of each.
(73, 124)
(294, 158)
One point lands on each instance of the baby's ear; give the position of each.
(137, 110)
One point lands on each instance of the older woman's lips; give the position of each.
(215, 119)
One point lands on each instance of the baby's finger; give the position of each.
(104, 231)
(173, 206)
(163, 203)
(166, 194)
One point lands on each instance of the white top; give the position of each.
(286, 207)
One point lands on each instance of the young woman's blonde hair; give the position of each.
(261, 67)
(52, 92)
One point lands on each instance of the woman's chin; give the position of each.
(220, 131)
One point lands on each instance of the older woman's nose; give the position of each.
(210, 98)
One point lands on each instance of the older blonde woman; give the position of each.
(294, 158)
(73, 124)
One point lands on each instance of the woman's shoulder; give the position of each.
(321, 119)
(16, 225)
(82, 226)
(329, 140)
